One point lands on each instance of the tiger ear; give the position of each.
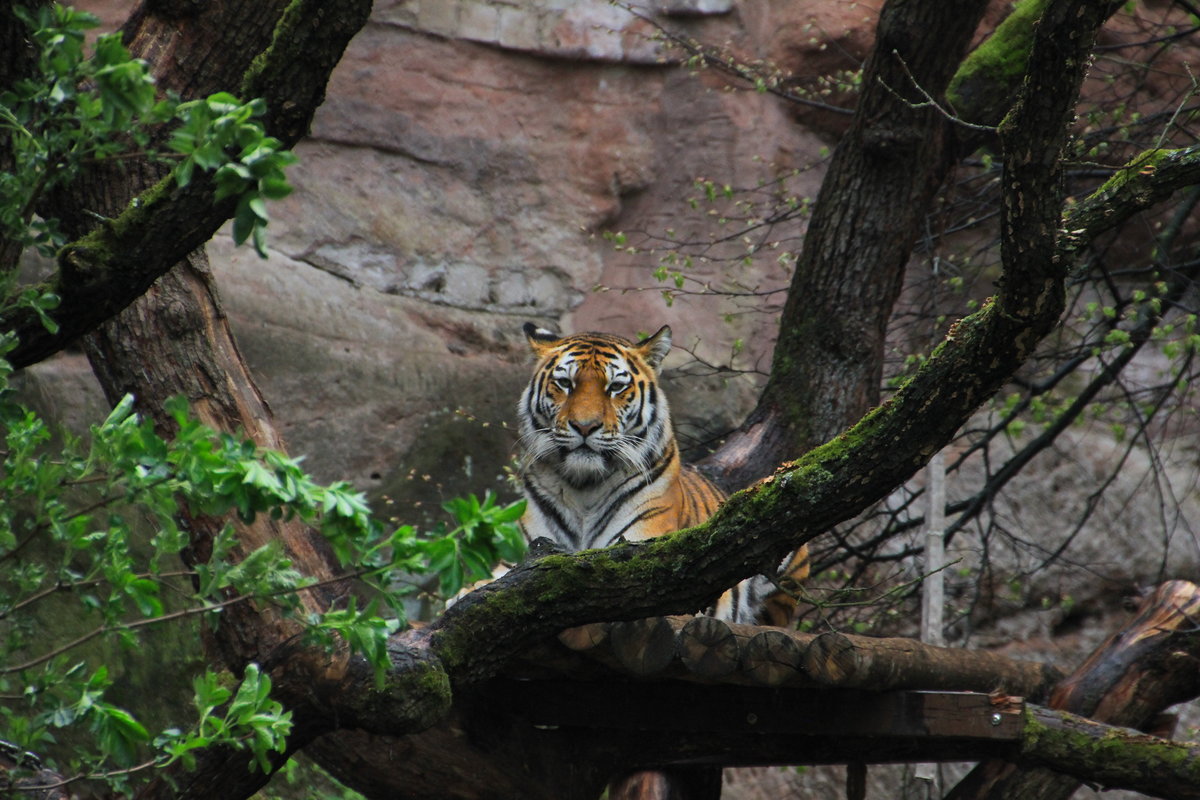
(655, 348)
(540, 339)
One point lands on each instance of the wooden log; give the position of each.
(1135, 674)
(583, 638)
(830, 659)
(703, 650)
(880, 664)
(1115, 758)
(708, 647)
(644, 646)
(772, 658)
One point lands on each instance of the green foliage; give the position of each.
(485, 534)
(246, 719)
(79, 109)
(74, 110)
(213, 129)
(91, 531)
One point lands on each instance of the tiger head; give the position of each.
(593, 408)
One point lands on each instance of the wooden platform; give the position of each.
(692, 723)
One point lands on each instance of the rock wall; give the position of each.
(458, 181)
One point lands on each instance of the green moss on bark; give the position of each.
(988, 78)
(1115, 757)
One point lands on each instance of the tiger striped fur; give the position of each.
(601, 463)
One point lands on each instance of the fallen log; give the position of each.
(1128, 681)
(1116, 758)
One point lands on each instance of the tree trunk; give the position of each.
(175, 340)
(828, 362)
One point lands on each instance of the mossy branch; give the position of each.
(1115, 758)
(105, 270)
(1149, 178)
(759, 526)
(988, 79)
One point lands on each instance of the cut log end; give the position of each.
(772, 658)
(708, 647)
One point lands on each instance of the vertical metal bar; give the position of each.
(933, 592)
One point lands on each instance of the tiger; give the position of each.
(601, 464)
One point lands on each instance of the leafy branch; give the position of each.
(78, 110)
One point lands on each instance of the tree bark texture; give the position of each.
(828, 360)
(214, 49)
(175, 339)
(1137, 673)
(1114, 758)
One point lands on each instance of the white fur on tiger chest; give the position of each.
(592, 517)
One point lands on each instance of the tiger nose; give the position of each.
(584, 427)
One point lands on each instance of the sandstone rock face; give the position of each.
(466, 160)
(457, 182)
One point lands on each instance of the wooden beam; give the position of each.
(897, 724)
(703, 648)
(675, 724)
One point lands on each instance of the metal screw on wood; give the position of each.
(996, 719)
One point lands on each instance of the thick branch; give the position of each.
(1133, 676)
(1148, 179)
(105, 270)
(1115, 758)
(985, 83)
(827, 366)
